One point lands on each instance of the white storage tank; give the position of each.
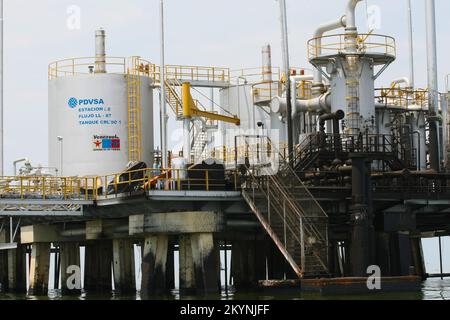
(97, 112)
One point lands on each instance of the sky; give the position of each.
(228, 33)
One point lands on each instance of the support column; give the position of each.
(17, 269)
(124, 275)
(187, 275)
(362, 243)
(3, 264)
(417, 254)
(69, 256)
(205, 263)
(383, 253)
(39, 268)
(275, 262)
(249, 263)
(98, 262)
(3, 271)
(154, 264)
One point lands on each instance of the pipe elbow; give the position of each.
(404, 80)
(330, 26)
(351, 8)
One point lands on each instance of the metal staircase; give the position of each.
(290, 215)
(173, 98)
(199, 141)
(134, 112)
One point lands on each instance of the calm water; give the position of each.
(433, 289)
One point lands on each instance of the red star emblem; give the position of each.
(97, 144)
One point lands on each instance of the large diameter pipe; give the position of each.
(322, 103)
(318, 34)
(351, 32)
(433, 94)
(100, 51)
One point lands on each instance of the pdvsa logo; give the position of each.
(72, 103)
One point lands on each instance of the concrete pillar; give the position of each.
(205, 263)
(39, 268)
(249, 263)
(3, 263)
(417, 255)
(3, 271)
(69, 256)
(187, 275)
(154, 264)
(123, 266)
(170, 264)
(17, 269)
(276, 263)
(383, 253)
(98, 262)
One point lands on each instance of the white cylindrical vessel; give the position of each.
(89, 113)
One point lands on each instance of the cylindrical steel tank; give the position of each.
(94, 115)
(90, 114)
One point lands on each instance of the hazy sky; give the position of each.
(226, 33)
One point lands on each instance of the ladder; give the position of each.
(134, 112)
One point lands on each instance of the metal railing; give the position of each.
(258, 152)
(194, 74)
(367, 43)
(289, 213)
(86, 65)
(402, 97)
(116, 185)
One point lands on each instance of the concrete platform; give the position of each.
(345, 286)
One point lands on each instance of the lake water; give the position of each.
(432, 289)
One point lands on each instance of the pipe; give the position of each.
(433, 95)
(294, 81)
(318, 34)
(1, 87)
(419, 139)
(319, 104)
(15, 162)
(187, 139)
(411, 45)
(404, 80)
(286, 65)
(100, 51)
(351, 14)
(351, 32)
(162, 80)
(266, 63)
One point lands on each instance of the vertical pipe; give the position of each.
(163, 111)
(100, 51)
(286, 67)
(226, 266)
(266, 63)
(1, 87)
(445, 141)
(411, 46)
(187, 139)
(433, 96)
(440, 257)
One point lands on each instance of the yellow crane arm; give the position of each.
(190, 109)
